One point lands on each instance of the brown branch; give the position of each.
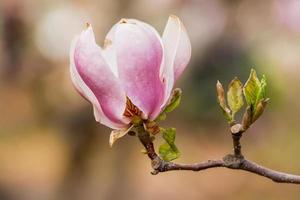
(276, 176)
(170, 166)
(232, 161)
(237, 147)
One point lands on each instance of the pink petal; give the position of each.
(139, 56)
(177, 52)
(96, 82)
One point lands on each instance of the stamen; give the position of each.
(131, 110)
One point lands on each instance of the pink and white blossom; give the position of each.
(134, 72)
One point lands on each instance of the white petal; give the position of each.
(117, 134)
(177, 52)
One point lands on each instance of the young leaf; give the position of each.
(262, 90)
(251, 89)
(259, 109)
(255, 94)
(235, 95)
(220, 94)
(168, 151)
(161, 117)
(247, 118)
(174, 101)
(222, 102)
(171, 105)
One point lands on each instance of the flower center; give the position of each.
(131, 110)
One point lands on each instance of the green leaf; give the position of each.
(222, 102)
(252, 89)
(174, 101)
(168, 151)
(262, 90)
(172, 104)
(255, 94)
(162, 116)
(235, 95)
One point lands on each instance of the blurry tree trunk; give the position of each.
(14, 38)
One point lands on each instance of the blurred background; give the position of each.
(51, 148)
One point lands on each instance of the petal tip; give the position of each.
(172, 16)
(87, 25)
(123, 21)
(177, 19)
(88, 28)
(127, 21)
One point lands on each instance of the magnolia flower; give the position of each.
(131, 77)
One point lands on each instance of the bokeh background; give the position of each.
(51, 148)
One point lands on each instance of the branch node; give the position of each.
(233, 161)
(236, 129)
(156, 163)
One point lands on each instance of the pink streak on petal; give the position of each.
(139, 58)
(85, 91)
(94, 79)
